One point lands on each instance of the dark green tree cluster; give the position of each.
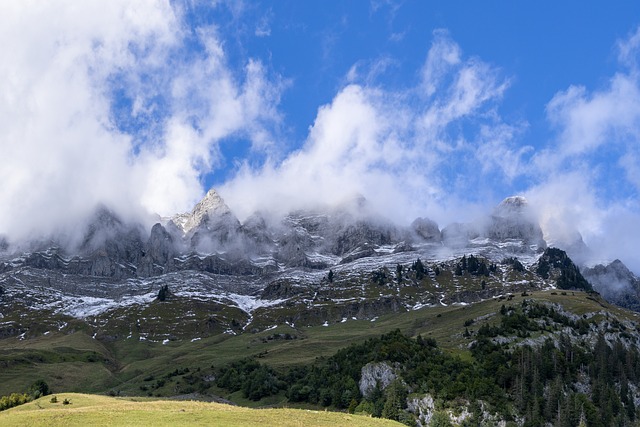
(423, 368)
(569, 277)
(472, 265)
(514, 263)
(561, 382)
(14, 399)
(529, 317)
(541, 381)
(399, 270)
(254, 379)
(379, 277)
(418, 267)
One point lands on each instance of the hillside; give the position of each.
(95, 410)
(214, 309)
(77, 362)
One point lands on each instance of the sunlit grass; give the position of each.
(92, 410)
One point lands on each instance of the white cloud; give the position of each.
(263, 28)
(396, 148)
(105, 104)
(443, 55)
(66, 143)
(589, 177)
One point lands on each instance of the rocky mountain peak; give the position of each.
(512, 206)
(513, 219)
(427, 229)
(616, 283)
(615, 276)
(210, 209)
(103, 224)
(555, 264)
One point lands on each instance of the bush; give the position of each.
(14, 399)
(38, 389)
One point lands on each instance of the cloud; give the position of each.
(120, 103)
(443, 56)
(588, 178)
(126, 104)
(395, 148)
(263, 27)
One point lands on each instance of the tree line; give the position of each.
(561, 382)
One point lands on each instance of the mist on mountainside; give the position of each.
(113, 114)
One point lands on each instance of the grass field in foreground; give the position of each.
(93, 410)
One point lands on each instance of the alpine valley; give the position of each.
(479, 323)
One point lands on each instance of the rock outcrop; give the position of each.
(427, 229)
(375, 374)
(616, 283)
(513, 219)
(555, 264)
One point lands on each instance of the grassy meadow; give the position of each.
(93, 410)
(77, 363)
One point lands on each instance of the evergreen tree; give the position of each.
(419, 269)
(39, 389)
(396, 400)
(458, 270)
(440, 419)
(163, 293)
(399, 273)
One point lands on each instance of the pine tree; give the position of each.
(419, 268)
(399, 273)
(163, 293)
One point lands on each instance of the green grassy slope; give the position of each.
(76, 362)
(93, 410)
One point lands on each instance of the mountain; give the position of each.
(616, 283)
(251, 258)
(210, 225)
(310, 267)
(513, 219)
(202, 289)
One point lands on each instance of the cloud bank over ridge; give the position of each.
(101, 105)
(130, 105)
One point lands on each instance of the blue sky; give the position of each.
(542, 47)
(437, 109)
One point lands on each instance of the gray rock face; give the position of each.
(304, 234)
(210, 226)
(293, 248)
(513, 219)
(112, 247)
(373, 374)
(256, 230)
(616, 275)
(159, 254)
(351, 236)
(210, 238)
(427, 229)
(615, 283)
